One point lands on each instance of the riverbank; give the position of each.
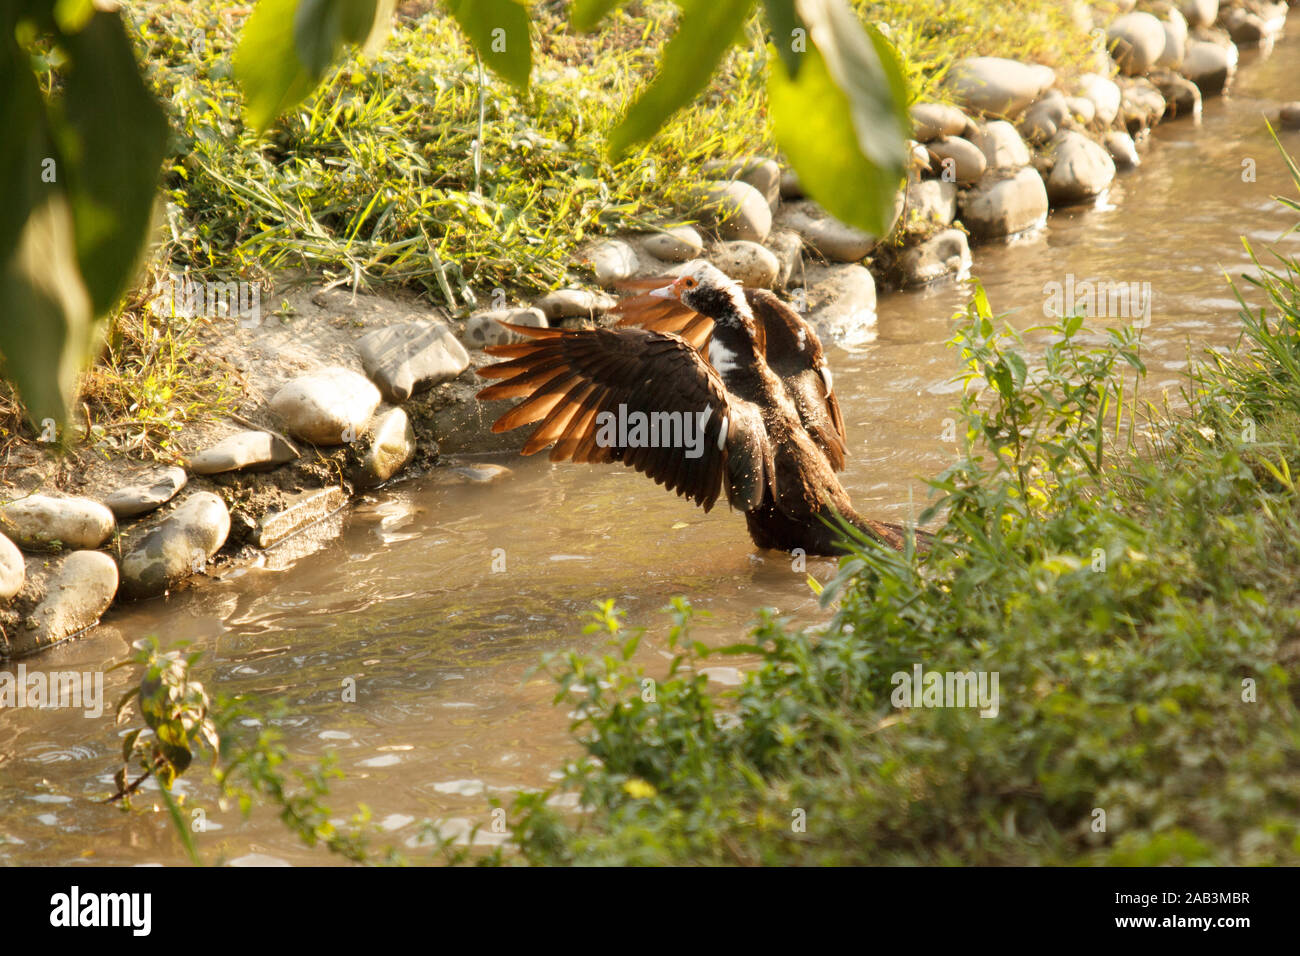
(375, 435)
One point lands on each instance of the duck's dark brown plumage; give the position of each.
(751, 369)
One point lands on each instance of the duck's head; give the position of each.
(711, 293)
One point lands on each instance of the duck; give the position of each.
(706, 387)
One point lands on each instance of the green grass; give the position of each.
(1139, 605)
(375, 176)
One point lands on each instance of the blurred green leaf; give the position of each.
(267, 63)
(499, 30)
(706, 30)
(783, 21)
(842, 122)
(587, 13)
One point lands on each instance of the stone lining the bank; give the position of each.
(1020, 142)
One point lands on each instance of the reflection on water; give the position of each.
(404, 599)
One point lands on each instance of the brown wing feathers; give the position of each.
(568, 378)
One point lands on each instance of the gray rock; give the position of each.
(1104, 93)
(12, 574)
(1082, 109)
(1042, 120)
(573, 304)
(958, 160)
(1081, 169)
(1136, 41)
(842, 302)
(736, 210)
(1122, 150)
(1211, 66)
(931, 121)
(303, 510)
(1002, 145)
(47, 523)
(998, 87)
(1246, 28)
(401, 359)
(747, 262)
(612, 260)
(1175, 26)
(147, 493)
(786, 245)
(824, 233)
(678, 244)
(1288, 117)
(791, 188)
(391, 444)
(931, 202)
(78, 589)
(1142, 106)
(329, 407)
(180, 545)
(758, 171)
(484, 328)
(944, 254)
(478, 473)
(1200, 13)
(1182, 96)
(1005, 203)
(243, 450)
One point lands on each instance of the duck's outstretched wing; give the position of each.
(789, 343)
(590, 390)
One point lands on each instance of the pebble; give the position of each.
(243, 450)
(1175, 27)
(1081, 169)
(1211, 66)
(12, 571)
(1136, 41)
(147, 492)
(1005, 203)
(180, 545)
(998, 87)
(1288, 116)
(943, 254)
(47, 523)
(391, 445)
(1200, 13)
(932, 201)
(78, 589)
(758, 171)
(1182, 96)
(573, 304)
(1122, 150)
(484, 328)
(931, 121)
(842, 302)
(824, 233)
(612, 260)
(329, 407)
(1142, 106)
(1002, 145)
(678, 244)
(747, 262)
(958, 160)
(787, 246)
(735, 209)
(1104, 93)
(403, 359)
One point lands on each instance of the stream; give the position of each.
(406, 593)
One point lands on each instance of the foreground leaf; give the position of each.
(499, 31)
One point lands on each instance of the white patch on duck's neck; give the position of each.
(722, 359)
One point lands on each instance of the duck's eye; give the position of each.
(690, 283)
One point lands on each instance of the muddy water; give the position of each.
(401, 595)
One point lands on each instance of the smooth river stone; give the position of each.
(78, 591)
(758, 171)
(787, 246)
(178, 546)
(932, 201)
(484, 328)
(243, 450)
(746, 262)
(402, 359)
(12, 572)
(1182, 96)
(1175, 27)
(1200, 13)
(1003, 204)
(147, 493)
(328, 407)
(1104, 93)
(943, 254)
(1001, 145)
(736, 210)
(612, 261)
(1081, 169)
(1122, 149)
(933, 120)
(678, 244)
(1136, 42)
(958, 160)
(842, 302)
(392, 443)
(573, 304)
(1211, 66)
(835, 240)
(999, 87)
(44, 523)
(1288, 116)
